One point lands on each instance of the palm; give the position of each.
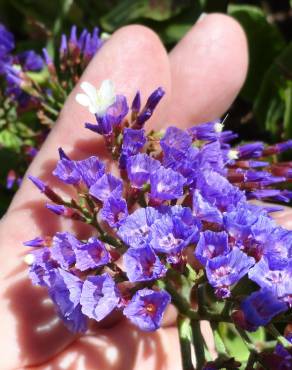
(201, 76)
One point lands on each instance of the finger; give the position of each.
(284, 218)
(127, 59)
(31, 333)
(208, 68)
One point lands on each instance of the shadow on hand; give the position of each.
(42, 337)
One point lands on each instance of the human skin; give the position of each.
(201, 76)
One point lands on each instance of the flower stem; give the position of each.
(282, 340)
(252, 358)
(198, 342)
(184, 330)
(219, 344)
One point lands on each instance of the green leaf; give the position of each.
(265, 43)
(126, 11)
(273, 100)
(288, 110)
(233, 343)
(10, 140)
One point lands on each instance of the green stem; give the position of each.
(246, 339)
(219, 344)
(198, 342)
(184, 331)
(252, 358)
(282, 340)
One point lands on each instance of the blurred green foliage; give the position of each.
(264, 108)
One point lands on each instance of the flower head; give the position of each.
(99, 296)
(142, 264)
(260, 307)
(146, 308)
(224, 271)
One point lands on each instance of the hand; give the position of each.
(202, 76)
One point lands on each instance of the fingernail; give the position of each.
(201, 17)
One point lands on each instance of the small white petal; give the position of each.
(232, 154)
(83, 100)
(218, 127)
(29, 259)
(106, 95)
(89, 90)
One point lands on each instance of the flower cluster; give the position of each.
(177, 212)
(35, 83)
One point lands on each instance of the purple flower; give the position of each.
(175, 142)
(91, 255)
(135, 230)
(171, 234)
(6, 41)
(139, 169)
(114, 211)
(150, 105)
(260, 307)
(108, 185)
(204, 210)
(166, 184)
(63, 248)
(72, 172)
(142, 264)
(90, 170)
(30, 61)
(278, 247)
(208, 131)
(211, 245)
(133, 141)
(99, 296)
(42, 265)
(238, 223)
(65, 289)
(210, 157)
(118, 111)
(113, 116)
(224, 271)
(146, 308)
(67, 172)
(277, 278)
(217, 190)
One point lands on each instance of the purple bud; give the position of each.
(11, 177)
(57, 209)
(150, 105)
(73, 38)
(63, 46)
(38, 183)
(47, 57)
(36, 242)
(62, 154)
(136, 104)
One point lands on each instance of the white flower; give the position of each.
(29, 259)
(218, 127)
(232, 154)
(97, 100)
